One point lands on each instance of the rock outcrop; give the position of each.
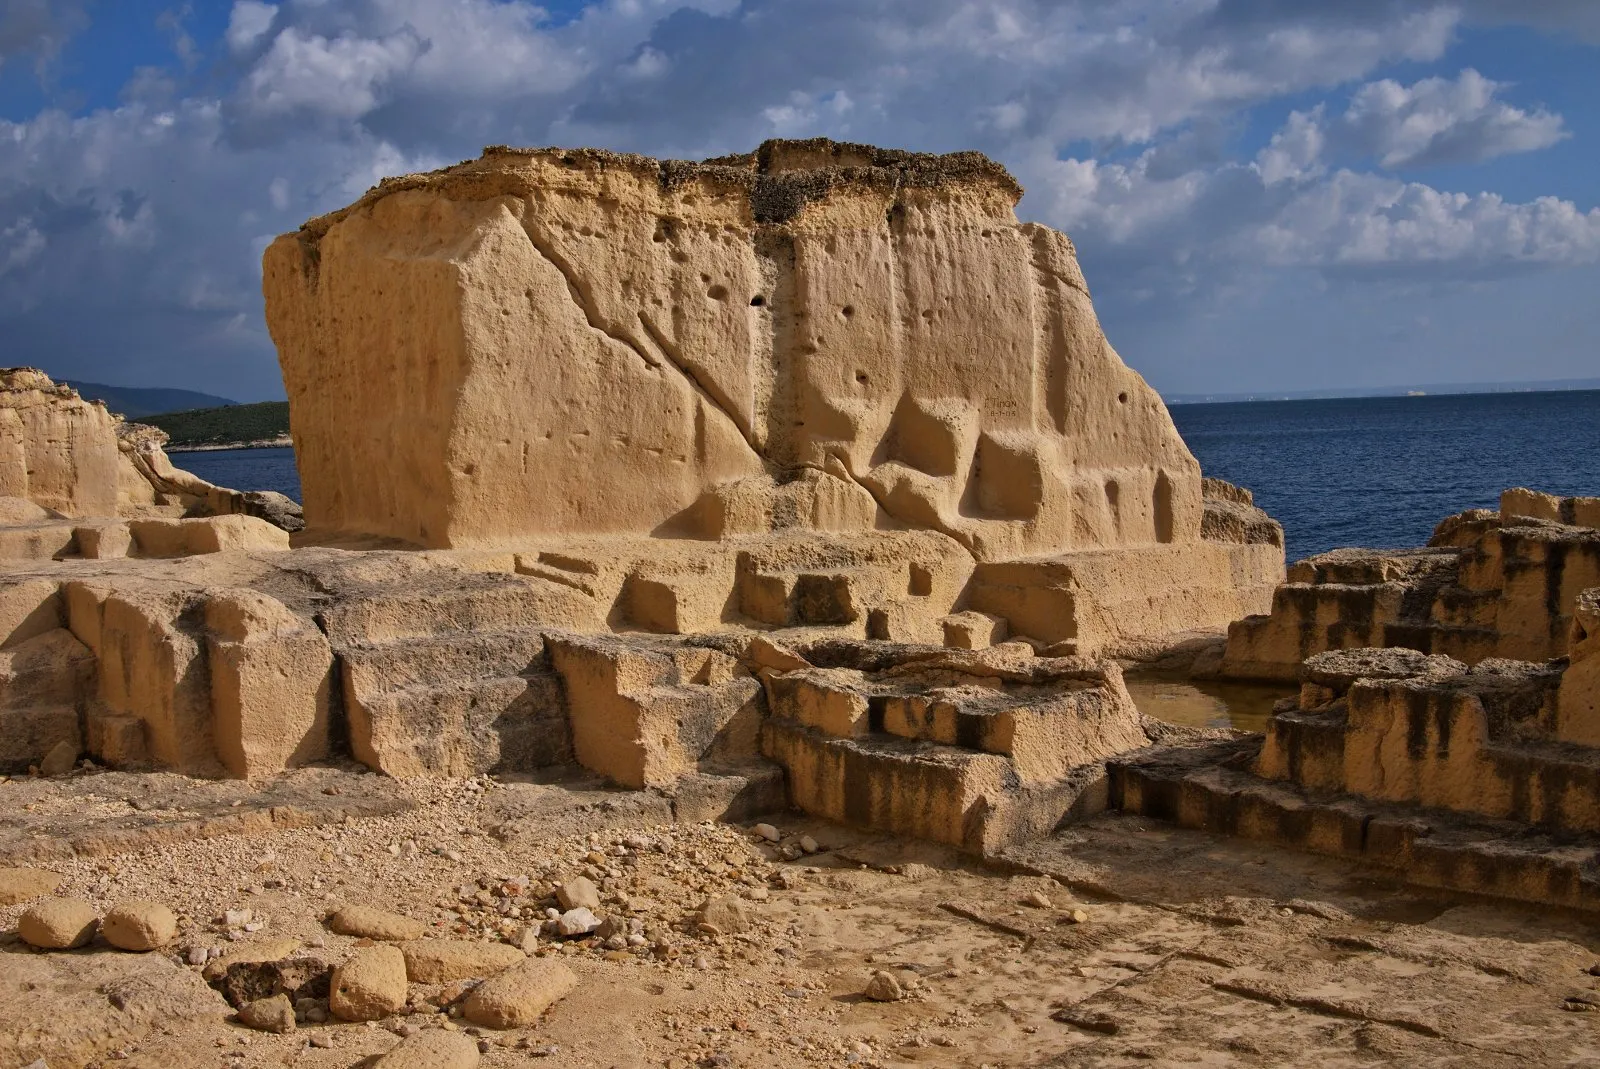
(674, 331)
(77, 481)
(1488, 584)
(819, 341)
(757, 481)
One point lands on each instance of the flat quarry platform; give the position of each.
(1123, 941)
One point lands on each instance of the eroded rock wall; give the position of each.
(542, 342)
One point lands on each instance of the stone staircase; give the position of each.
(446, 678)
(975, 749)
(1457, 777)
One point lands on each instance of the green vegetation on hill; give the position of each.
(214, 426)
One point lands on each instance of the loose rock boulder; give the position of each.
(433, 1049)
(575, 922)
(59, 761)
(517, 997)
(724, 916)
(370, 985)
(884, 987)
(365, 922)
(578, 893)
(58, 924)
(275, 1014)
(439, 961)
(139, 926)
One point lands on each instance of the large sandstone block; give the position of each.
(205, 534)
(645, 716)
(1100, 599)
(155, 668)
(814, 335)
(271, 675)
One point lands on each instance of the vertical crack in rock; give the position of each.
(670, 356)
(585, 303)
(708, 392)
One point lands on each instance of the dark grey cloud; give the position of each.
(38, 29)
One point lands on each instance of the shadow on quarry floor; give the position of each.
(1204, 703)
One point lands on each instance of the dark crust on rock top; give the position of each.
(779, 178)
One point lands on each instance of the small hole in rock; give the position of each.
(717, 293)
(1122, 398)
(757, 301)
(848, 310)
(861, 377)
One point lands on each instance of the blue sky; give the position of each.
(1267, 195)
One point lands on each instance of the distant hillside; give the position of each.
(137, 401)
(1448, 389)
(233, 423)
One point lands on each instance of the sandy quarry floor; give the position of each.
(1194, 951)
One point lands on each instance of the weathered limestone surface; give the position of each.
(672, 329)
(1489, 584)
(83, 1008)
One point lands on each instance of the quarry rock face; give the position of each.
(579, 342)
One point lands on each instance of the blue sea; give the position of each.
(244, 469)
(1378, 472)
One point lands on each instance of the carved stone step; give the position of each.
(445, 603)
(454, 656)
(507, 724)
(975, 801)
(1207, 788)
